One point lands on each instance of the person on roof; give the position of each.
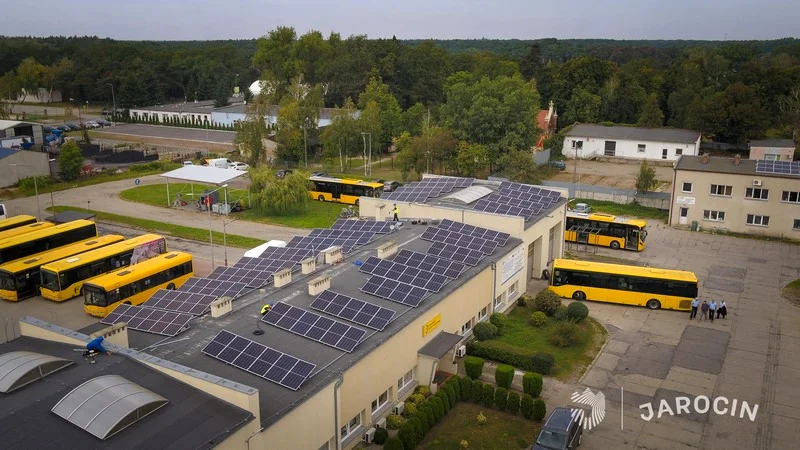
(97, 346)
(265, 309)
(396, 211)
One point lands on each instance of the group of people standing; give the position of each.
(707, 310)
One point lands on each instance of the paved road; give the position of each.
(189, 134)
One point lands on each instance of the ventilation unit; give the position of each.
(756, 182)
(381, 423)
(399, 408)
(461, 351)
(369, 436)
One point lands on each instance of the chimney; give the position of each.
(705, 158)
(386, 250)
(319, 284)
(737, 159)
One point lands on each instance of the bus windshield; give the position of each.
(50, 280)
(94, 296)
(7, 281)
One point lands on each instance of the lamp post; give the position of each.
(225, 238)
(114, 103)
(210, 221)
(35, 190)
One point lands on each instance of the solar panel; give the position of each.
(452, 252)
(395, 271)
(149, 320)
(485, 233)
(311, 325)
(502, 208)
(353, 309)
(394, 290)
(260, 360)
(263, 264)
(435, 234)
(209, 286)
(285, 254)
(322, 239)
(373, 226)
(450, 269)
(251, 278)
(778, 167)
(185, 302)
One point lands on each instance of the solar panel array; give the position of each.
(394, 290)
(311, 325)
(285, 254)
(208, 286)
(499, 237)
(393, 270)
(428, 188)
(454, 253)
(778, 167)
(373, 226)
(435, 234)
(251, 278)
(149, 320)
(450, 269)
(320, 239)
(516, 199)
(263, 264)
(185, 302)
(260, 360)
(353, 309)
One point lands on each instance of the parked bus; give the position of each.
(24, 229)
(606, 230)
(134, 285)
(20, 279)
(63, 280)
(39, 241)
(16, 221)
(628, 285)
(343, 190)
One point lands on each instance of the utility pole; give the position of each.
(114, 104)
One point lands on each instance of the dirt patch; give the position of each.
(610, 174)
(792, 292)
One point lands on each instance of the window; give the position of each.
(577, 145)
(762, 221)
(482, 314)
(610, 148)
(716, 216)
(641, 148)
(790, 196)
(719, 189)
(796, 225)
(498, 301)
(687, 187)
(350, 427)
(512, 290)
(380, 402)
(678, 151)
(466, 327)
(664, 153)
(772, 157)
(756, 193)
(405, 381)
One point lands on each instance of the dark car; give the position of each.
(63, 128)
(103, 122)
(74, 126)
(560, 165)
(561, 431)
(282, 173)
(390, 186)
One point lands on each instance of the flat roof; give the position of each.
(191, 419)
(275, 400)
(634, 133)
(717, 164)
(783, 143)
(440, 345)
(203, 174)
(69, 216)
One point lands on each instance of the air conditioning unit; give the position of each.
(461, 351)
(369, 436)
(381, 423)
(399, 408)
(756, 182)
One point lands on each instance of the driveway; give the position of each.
(188, 134)
(660, 355)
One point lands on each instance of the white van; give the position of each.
(220, 163)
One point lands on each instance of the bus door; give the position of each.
(336, 192)
(632, 239)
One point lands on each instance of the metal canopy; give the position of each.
(440, 345)
(203, 174)
(468, 195)
(18, 369)
(106, 405)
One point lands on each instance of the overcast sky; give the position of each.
(407, 19)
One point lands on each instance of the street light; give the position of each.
(210, 221)
(35, 190)
(225, 238)
(114, 103)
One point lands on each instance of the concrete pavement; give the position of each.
(188, 134)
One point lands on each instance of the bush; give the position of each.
(504, 375)
(438, 407)
(466, 387)
(538, 319)
(464, 444)
(408, 436)
(393, 444)
(423, 419)
(502, 352)
(484, 331)
(564, 334)
(455, 384)
(381, 435)
(523, 300)
(532, 384)
(481, 418)
(539, 410)
(409, 409)
(417, 399)
(477, 391)
(512, 405)
(501, 398)
(526, 406)
(428, 411)
(542, 362)
(473, 366)
(393, 421)
(451, 394)
(445, 400)
(70, 161)
(577, 311)
(424, 391)
(561, 314)
(499, 321)
(487, 397)
(31, 184)
(419, 432)
(547, 302)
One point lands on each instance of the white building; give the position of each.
(590, 141)
(229, 115)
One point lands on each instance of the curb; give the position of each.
(589, 367)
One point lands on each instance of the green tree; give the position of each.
(29, 74)
(275, 57)
(70, 161)
(583, 107)
(646, 179)
(390, 114)
(789, 106)
(279, 196)
(298, 117)
(413, 118)
(519, 166)
(651, 116)
(10, 91)
(408, 157)
(733, 115)
(473, 160)
(222, 93)
(420, 74)
(250, 135)
(342, 137)
(531, 64)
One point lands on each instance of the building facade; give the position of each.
(18, 164)
(592, 141)
(772, 150)
(734, 195)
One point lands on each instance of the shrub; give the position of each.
(445, 400)
(532, 384)
(526, 406)
(512, 405)
(487, 397)
(484, 331)
(408, 436)
(393, 421)
(455, 384)
(504, 375)
(425, 391)
(577, 311)
(423, 419)
(451, 394)
(410, 409)
(499, 321)
(539, 410)
(481, 418)
(561, 314)
(538, 319)
(31, 184)
(419, 432)
(523, 300)
(502, 352)
(381, 435)
(547, 302)
(542, 362)
(417, 399)
(393, 444)
(564, 334)
(477, 391)
(464, 444)
(473, 366)
(428, 411)
(466, 387)
(501, 398)
(438, 407)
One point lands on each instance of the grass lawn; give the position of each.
(569, 360)
(501, 431)
(179, 231)
(618, 209)
(792, 291)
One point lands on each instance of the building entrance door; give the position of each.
(684, 216)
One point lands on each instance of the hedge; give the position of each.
(393, 444)
(532, 384)
(466, 387)
(477, 391)
(455, 382)
(428, 411)
(487, 397)
(410, 409)
(510, 354)
(501, 398)
(473, 366)
(526, 406)
(408, 435)
(381, 435)
(445, 400)
(539, 410)
(451, 394)
(499, 321)
(423, 419)
(512, 405)
(393, 421)
(418, 430)
(504, 375)
(438, 407)
(417, 399)
(485, 331)
(577, 311)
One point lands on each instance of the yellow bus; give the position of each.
(18, 231)
(20, 279)
(134, 285)
(628, 285)
(343, 190)
(16, 221)
(63, 280)
(606, 230)
(47, 239)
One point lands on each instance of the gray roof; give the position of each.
(18, 369)
(440, 345)
(69, 216)
(782, 143)
(723, 165)
(192, 419)
(198, 107)
(634, 133)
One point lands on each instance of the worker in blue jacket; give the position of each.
(97, 346)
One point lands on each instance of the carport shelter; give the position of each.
(202, 174)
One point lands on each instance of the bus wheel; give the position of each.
(579, 295)
(615, 245)
(171, 286)
(653, 304)
(321, 198)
